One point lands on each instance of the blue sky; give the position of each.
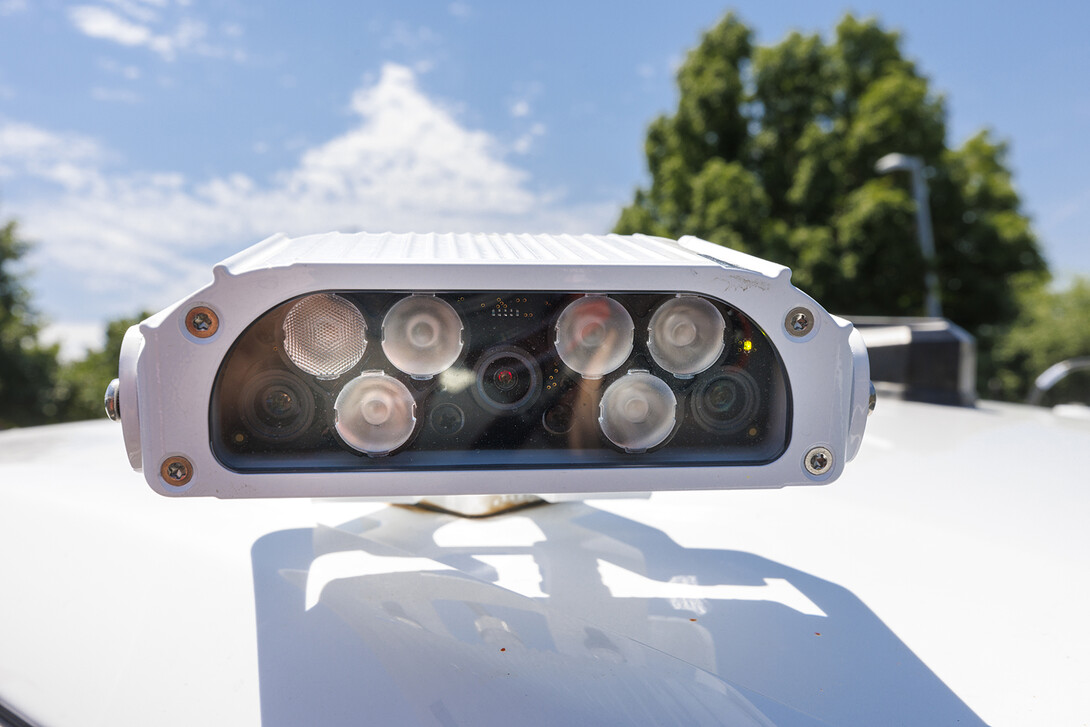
(143, 140)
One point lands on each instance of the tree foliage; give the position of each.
(81, 384)
(772, 150)
(1052, 326)
(27, 368)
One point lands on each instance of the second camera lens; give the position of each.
(277, 405)
(728, 401)
(507, 379)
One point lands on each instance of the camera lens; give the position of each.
(558, 419)
(277, 405)
(728, 401)
(507, 379)
(447, 419)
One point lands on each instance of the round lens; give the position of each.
(558, 419)
(279, 403)
(638, 411)
(276, 405)
(594, 336)
(375, 413)
(507, 379)
(728, 401)
(685, 335)
(324, 335)
(422, 335)
(447, 418)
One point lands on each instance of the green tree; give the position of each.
(1052, 326)
(81, 384)
(772, 150)
(27, 368)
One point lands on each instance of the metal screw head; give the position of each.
(819, 460)
(202, 322)
(799, 322)
(176, 471)
(113, 402)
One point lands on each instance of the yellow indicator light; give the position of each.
(747, 346)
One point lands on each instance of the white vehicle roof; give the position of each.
(943, 579)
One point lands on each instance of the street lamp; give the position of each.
(905, 163)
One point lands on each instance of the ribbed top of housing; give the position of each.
(389, 247)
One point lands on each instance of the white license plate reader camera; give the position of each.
(406, 365)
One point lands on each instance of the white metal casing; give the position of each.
(167, 374)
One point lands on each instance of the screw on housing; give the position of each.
(819, 461)
(202, 322)
(799, 322)
(176, 471)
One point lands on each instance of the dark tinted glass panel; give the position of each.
(508, 400)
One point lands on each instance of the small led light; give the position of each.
(685, 335)
(324, 335)
(375, 413)
(422, 335)
(747, 345)
(594, 336)
(638, 411)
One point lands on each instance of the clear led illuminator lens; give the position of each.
(422, 335)
(637, 411)
(375, 413)
(685, 335)
(324, 335)
(594, 335)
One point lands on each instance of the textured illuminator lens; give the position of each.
(594, 335)
(375, 413)
(324, 335)
(422, 335)
(685, 335)
(637, 411)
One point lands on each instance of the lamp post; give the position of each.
(905, 163)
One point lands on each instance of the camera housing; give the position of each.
(407, 365)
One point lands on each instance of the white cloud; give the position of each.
(406, 164)
(12, 7)
(139, 24)
(128, 72)
(459, 10)
(139, 11)
(402, 36)
(122, 95)
(525, 142)
(520, 108)
(75, 338)
(67, 160)
(99, 22)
